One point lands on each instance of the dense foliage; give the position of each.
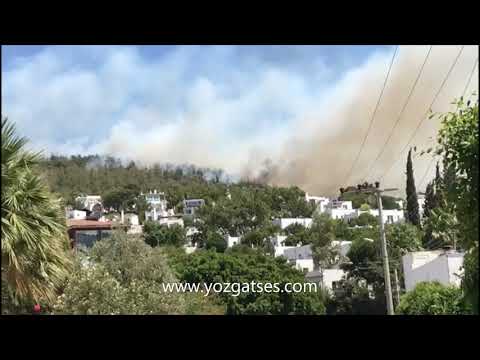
(432, 298)
(458, 143)
(244, 265)
(122, 275)
(157, 235)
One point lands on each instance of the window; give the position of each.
(390, 219)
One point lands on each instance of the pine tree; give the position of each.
(412, 215)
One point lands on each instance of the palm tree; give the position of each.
(35, 256)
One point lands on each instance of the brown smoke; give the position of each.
(320, 154)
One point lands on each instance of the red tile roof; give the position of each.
(88, 224)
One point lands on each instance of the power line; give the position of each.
(399, 115)
(425, 116)
(426, 172)
(470, 77)
(373, 116)
(463, 95)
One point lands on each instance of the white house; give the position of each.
(343, 246)
(232, 240)
(278, 240)
(328, 278)
(438, 265)
(170, 221)
(284, 222)
(192, 205)
(389, 216)
(159, 211)
(298, 252)
(87, 202)
(339, 209)
(76, 214)
(280, 249)
(319, 201)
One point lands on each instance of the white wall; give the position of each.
(344, 246)
(280, 250)
(431, 266)
(76, 214)
(232, 240)
(331, 275)
(284, 222)
(298, 252)
(303, 264)
(132, 219)
(278, 240)
(170, 221)
(340, 213)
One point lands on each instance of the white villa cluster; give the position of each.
(440, 265)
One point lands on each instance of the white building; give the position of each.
(170, 221)
(319, 201)
(438, 265)
(343, 246)
(156, 200)
(278, 240)
(339, 209)
(389, 216)
(190, 206)
(87, 202)
(328, 278)
(284, 222)
(280, 249)
(76, 214)
(159, 211)
(232, 240)
(298, 252)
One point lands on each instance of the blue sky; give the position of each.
(159, 78)
(222, 106)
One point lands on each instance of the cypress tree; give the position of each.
(412, 215)
(430, 200)
(439, 186)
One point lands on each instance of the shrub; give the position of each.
(123, 275)
(432, 298)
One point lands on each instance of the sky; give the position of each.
(297, 113)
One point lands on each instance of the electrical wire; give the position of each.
(372, 165)
(372, 118)
(425, 116)
(470, 77)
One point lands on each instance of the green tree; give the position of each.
(123, 275)
(366, 219)
(412, 215)
(215, 241)
(35, 248)
(245, 266)
(458, 142)
(161, 235)
(365, 207)
(432, 298)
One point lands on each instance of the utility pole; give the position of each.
(386, 267)
(368, 188)
(397, 287)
